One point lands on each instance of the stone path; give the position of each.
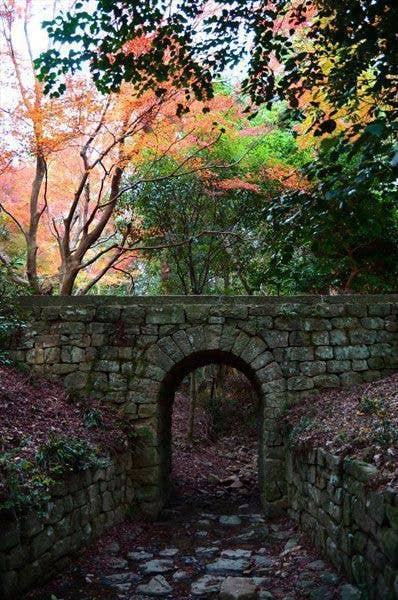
(211, 543)
(189, 555)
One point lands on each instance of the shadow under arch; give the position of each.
(167, 391)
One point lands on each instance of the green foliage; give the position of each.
(100, 29)
(294, 434)
(60, 455)
(342, 232)
(27, 483)
(371, 406)
(386, 434)
(11, 319)
(24, 486)
(92, 419)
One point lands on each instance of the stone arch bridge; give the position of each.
(133, 352)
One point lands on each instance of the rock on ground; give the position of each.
(237, 588)
(157, 586)
(226, 565)
(157, 566)
(206, 585)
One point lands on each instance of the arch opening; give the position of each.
(169, 388)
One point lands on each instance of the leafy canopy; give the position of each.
(341, 47)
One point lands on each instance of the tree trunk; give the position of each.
(31, 236)
(67, 279)
(192, 406)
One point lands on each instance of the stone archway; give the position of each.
(163, 367)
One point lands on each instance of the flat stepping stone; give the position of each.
(206, 584)
(246, 536)
(261, 563)
(229, 520)
(206, 552)
(157, 586)
(112, 548)
(237, 588)
(156, 566)
(169, 552)
(227, 565)
(117, 563)
(203, 523)
(317, 565)
(140, 555)
(292, 543)
(181, 576)
(237, 553)
(117, 579)
(256, 518)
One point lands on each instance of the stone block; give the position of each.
(276, 339)
(76, 380)
(166, 314)
(262, 360)
(359, 365)
(372, 323)
(299, 353)
(346, 352)
(300, 383)
(388, 539)
(392, 516)
(324, 352)
(362, 336)
(320, 338)
(338, 337)
(345, 322)
(42, 542)
(350, 378)
(360, 470)
(326, 381)
(287, 323)
(315, 324)
(338, 366)
(107, 313)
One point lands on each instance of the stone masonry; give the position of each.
(355, 527)
(33, 546)
(133, 352)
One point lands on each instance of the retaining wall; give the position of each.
(355, 527)
(34, 547)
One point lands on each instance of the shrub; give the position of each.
(26, 483)
(371, 406)
(22, 485)
(59, 455)
(10, 319)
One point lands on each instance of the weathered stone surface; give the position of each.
(119, 578)
(157, 586)
(227, 565)
(206, 585)
(140, 555)
(237, 588)
(129, 351)
(157, 566)
(237, 553)
(350, 592)
(229, 520)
